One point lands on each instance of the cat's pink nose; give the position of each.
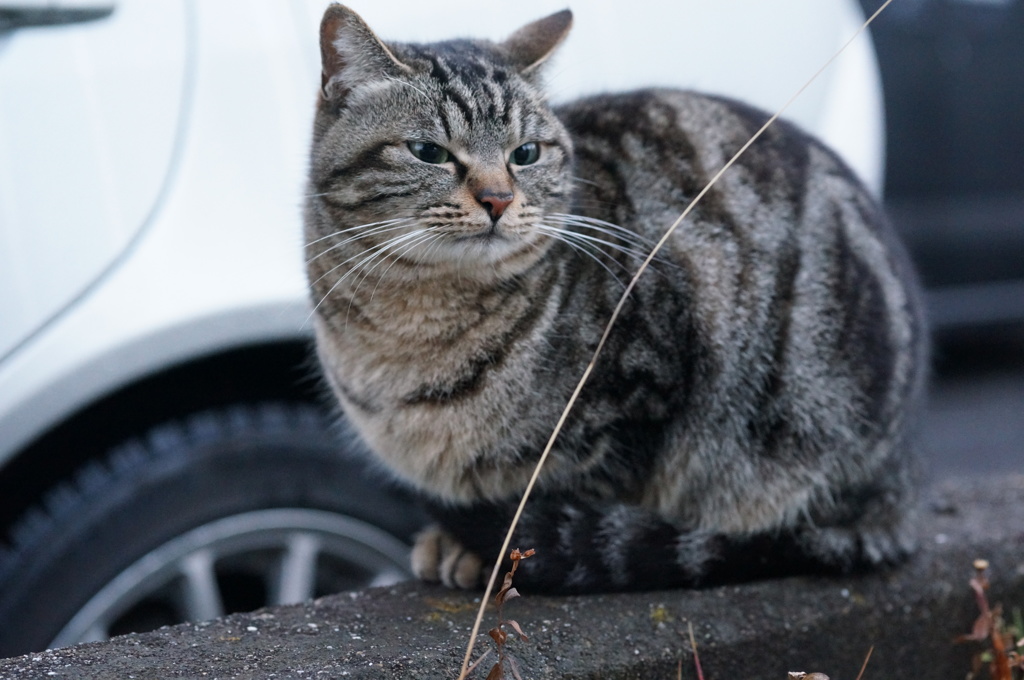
(495, 202)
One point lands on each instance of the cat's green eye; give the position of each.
(527, 154)
(429, 153)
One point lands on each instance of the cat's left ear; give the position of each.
(531, 45)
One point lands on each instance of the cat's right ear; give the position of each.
(351, 54)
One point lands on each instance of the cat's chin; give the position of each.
(487, 254)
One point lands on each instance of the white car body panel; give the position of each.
(86, 142)
(219, 263)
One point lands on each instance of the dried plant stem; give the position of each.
(611, 322)
(864, 666)
(693, 646)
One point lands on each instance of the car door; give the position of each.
(92, 96)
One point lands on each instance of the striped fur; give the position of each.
(751, 414)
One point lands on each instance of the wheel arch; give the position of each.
(286, 372)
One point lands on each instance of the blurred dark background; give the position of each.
(953, 78)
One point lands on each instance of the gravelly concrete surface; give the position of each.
(753, 631)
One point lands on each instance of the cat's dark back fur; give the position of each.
(751, 414)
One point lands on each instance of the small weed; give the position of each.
(1003, 645)
(499, 633)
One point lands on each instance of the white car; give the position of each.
(165, 451)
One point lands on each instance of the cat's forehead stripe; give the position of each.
(475, 85)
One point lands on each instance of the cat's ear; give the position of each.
(351, 54)
(531, 45)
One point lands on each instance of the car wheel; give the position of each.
(226, 511)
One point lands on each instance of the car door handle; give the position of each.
(28, 14)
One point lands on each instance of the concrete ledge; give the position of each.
(754, 631)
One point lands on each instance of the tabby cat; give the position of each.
(751, 413)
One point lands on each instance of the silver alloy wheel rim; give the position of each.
(302, 537)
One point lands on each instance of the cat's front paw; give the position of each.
(438, 556)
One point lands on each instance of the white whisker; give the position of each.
(406, 243)
(428, 238)
(362, 234)
(632, 252)
(374, 252)
(597, 243)
(420, 236)
(344, 262)
(609, 228)
(384, 249)
(372, 249)
(359, 226)
(587, 249)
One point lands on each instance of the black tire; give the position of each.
(230, 463)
